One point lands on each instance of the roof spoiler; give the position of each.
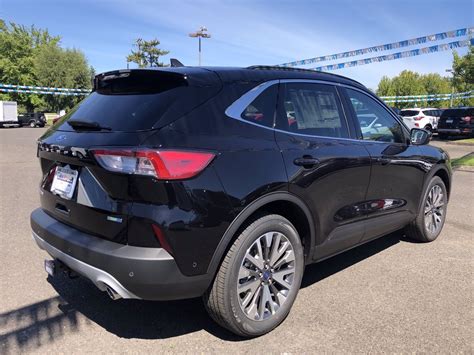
(140, 80)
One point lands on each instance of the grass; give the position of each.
(467, 160)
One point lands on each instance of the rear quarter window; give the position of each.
(261, 111)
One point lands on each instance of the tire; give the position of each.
(425, 232)
(32, 124)
(428, 128)
(239, 312)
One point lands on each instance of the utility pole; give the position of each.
(201, 33)
(452, 87)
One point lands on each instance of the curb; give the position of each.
(464, 168)
(460, 143)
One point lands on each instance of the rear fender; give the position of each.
(247, 212)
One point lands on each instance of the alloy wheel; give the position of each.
(266, 276)
(434, 209)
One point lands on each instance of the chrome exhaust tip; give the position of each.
(112, 293)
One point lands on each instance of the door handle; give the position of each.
(384, 161)
(306, 162)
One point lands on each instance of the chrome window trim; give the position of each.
(235, 110)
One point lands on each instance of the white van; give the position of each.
(8, 114)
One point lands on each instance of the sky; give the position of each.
(248, 32)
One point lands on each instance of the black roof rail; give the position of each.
(276, 67)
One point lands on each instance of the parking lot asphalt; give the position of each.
(390, 295)
(454, 150)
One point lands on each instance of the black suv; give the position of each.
(225, 182)
(33, 119)
(456, 121)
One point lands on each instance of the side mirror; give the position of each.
(419, 136)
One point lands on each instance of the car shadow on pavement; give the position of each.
(317, 272)
(80, 304)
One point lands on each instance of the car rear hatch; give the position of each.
(124, 108)
(455, 118)
(409, 115)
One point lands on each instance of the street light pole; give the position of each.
(201, 33)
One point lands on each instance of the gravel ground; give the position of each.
(390, 295)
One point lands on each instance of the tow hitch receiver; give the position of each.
(53, 267)
(50, 267)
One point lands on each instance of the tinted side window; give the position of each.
(409, 113)
(262, 110)
(312, 109)
(375, 121)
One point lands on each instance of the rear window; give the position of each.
(137, 100)
(458, 112)
(408, 113)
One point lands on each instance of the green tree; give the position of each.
(405, 84)
(385, 87)
(18, 47)
(31, 56)
(57, 67)
(411, 83)
(463, 75)
(147, 54)
(435, 84)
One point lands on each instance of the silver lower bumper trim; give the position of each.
(99, 277)
(449, 130)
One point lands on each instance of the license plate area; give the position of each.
(64, 182)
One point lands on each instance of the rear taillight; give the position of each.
(417, 125)
(161, 164)
(418, 118)
(466, 119)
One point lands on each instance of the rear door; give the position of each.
(397, 172)
(431, 116)
(326, 168)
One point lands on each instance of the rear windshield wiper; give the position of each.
(87, 125)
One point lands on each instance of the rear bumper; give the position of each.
(133, 272)
(455, 130)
